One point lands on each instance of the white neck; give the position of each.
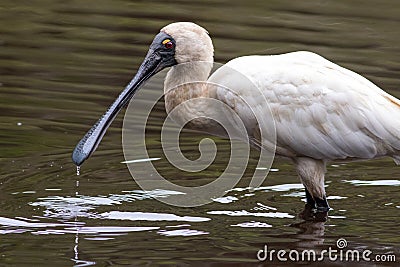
(182, 83)
(185, 82)
(187, 73)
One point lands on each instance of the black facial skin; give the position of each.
(157, 58)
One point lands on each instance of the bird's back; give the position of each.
(321, 110)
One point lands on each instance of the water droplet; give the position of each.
(77, 185)
(78, 170)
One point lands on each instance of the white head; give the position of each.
(192, 42)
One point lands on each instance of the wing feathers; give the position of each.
(322, 110)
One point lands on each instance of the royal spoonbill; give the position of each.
(322, 112)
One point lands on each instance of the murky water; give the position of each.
(62, 64)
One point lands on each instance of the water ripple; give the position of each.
(256, 214)
(149, 216)
(375, 182)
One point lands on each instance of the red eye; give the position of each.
(169, 45)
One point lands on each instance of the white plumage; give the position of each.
(321, 110)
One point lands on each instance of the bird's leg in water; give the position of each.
(321, 205)
(311, 173)
(309, 214)
(310, 200)
(315, 210)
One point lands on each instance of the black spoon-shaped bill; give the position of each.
(157, 58)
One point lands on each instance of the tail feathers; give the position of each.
(396, 159)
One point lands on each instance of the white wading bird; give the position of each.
(322, 112)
